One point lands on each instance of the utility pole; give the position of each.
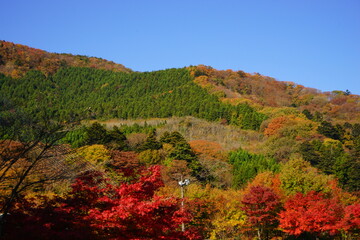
(182, 184)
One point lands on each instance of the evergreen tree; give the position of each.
(150, 143)
(246, 166)
(308, 114)
(309, 153)
(116, 139)
(172, 138)
(328, 130)
(96, 134)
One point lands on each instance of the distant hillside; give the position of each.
(17, 59)
(264, 92)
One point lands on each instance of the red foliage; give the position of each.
(261, 205)
(30, 220)
(96, 209)
(132, 211)
(351, 219)
(202, 211)
(312, 213)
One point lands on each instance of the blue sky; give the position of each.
(315, 43)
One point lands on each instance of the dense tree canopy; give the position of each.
(311, 213)
(246, 166)
(80, 93)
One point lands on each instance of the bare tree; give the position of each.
(29, 158)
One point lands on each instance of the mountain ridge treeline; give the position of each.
(17, 59)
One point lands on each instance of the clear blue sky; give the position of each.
(315, 43)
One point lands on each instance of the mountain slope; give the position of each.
(267, 93)
(17, 59)
(75, 93)
(233, 87)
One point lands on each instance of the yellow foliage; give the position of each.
(237, 101)
(95, 154)
(297, 175)
(40, 198)
(151, 156)
(202, 80)
(228, 219)
(15, 74)
(330, 142)
(274, 112)
(104, 85)
(167, 148)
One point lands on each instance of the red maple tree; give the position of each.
(311, 213)
(261, 205)
(351, 219)
(97, 209)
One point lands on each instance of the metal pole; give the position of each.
(182, 184)
(182, 207)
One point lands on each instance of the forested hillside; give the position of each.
(92, 150)
(17, 59)
(269, 94)
(86, 93)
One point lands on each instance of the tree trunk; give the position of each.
(259, 233)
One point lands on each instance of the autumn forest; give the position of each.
(90, 149)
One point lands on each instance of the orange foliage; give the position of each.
(338, 193)
(291, 125)
(202, 80)
(340, 100)
(267, 179)
(210, 149)
(10, 149)
(255, 87)
(275, 125)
